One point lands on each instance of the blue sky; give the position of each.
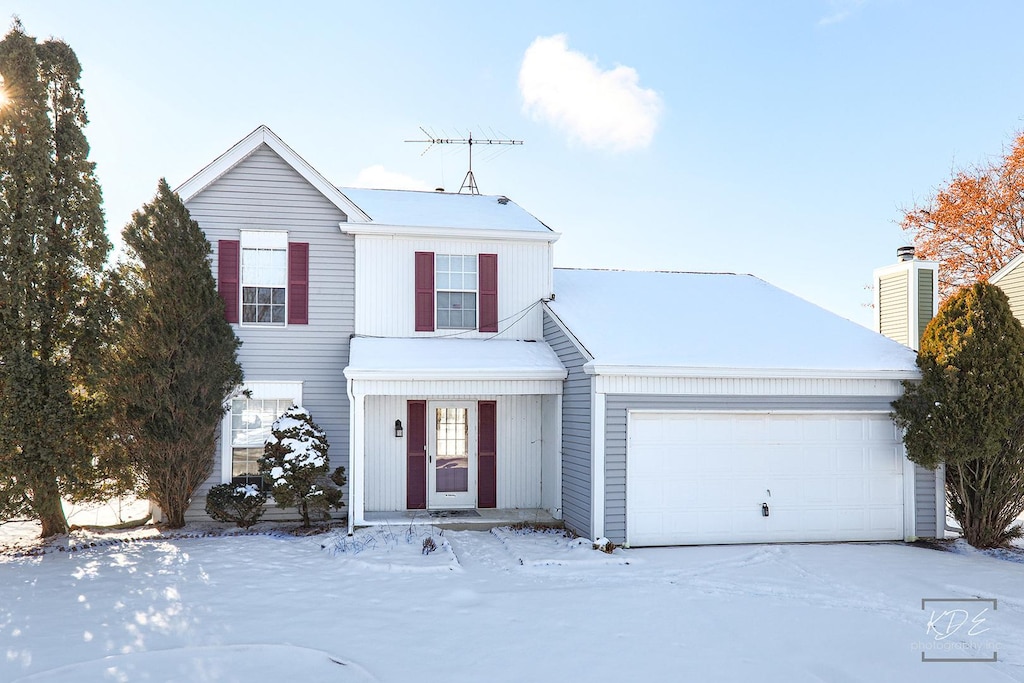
(774, 138)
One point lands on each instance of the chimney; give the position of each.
(906, 297)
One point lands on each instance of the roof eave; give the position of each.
(486, 374)
(1007, 269)
(245, 147)
(595, 368)
(432, 231)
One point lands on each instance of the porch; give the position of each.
(447, 431)
(475, 519)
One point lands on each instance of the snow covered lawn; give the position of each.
(501, 606)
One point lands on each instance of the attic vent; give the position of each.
(503, 200)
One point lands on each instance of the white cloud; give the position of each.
(377, 177)
(841, 11)
(601, 109)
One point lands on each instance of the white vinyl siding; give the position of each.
(385, 284)
(519, 451)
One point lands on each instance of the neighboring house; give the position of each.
(453, 367)
(1010, 279)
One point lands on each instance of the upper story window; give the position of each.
(454, 291)
(455, 281)
(263, 279)
(264, 285)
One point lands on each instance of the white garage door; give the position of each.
(705, 478)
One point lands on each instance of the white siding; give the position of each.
(520, 451)
(456, 387)
(385, 270)
(747, 386)
(263, 192)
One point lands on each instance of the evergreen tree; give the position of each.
(52, 306)
(176, 358)
(968, 411)
(295, 463)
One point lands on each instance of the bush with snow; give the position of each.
(242, 504)
(295, 463)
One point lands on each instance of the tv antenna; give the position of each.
(469, 182)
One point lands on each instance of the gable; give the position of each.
(262, 190)
(242, 150)
(1010, 279)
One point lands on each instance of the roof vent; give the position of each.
(438, 189)
(503, 200)
(905, 253)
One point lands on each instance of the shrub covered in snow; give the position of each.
(295, 463)
(238, 503)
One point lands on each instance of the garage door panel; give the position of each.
(702, 477)
(885, 459)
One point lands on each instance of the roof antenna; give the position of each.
(469, 182)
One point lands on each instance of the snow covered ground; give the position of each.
(497, 606)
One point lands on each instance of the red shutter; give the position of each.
(416, 456)
(298, 283)
(227, 277)
(487, 460)
(424, 291)
(488, 292)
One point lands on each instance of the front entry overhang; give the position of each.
(433, 368)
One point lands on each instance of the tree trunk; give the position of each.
(48, 507)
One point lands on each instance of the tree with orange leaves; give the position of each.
(973, 225)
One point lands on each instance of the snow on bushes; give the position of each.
(295, 464)
(238, 503)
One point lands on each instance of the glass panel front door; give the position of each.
(452, 445)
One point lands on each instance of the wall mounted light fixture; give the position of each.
(398, 429)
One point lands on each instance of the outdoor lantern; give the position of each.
(398, 428)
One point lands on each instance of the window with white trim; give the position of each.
(251, 420)
(455, 282)
(248, 424)
(264, 277)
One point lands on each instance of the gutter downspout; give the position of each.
(351, 453)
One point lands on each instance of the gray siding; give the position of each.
(576, 456)
(615, 443)
(263, 192)
(924, 503)
(925, 300)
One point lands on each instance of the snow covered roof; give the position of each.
(715, 324)
(444, 210)
(434, 358)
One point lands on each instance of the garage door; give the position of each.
(706, 478)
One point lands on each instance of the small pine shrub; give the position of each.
(242, 504)
(295, 462)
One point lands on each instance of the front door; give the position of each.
(451, 454)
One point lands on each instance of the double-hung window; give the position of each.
(455, 281)
(250, 422)
(264, 277)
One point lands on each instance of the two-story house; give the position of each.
(454, 368)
